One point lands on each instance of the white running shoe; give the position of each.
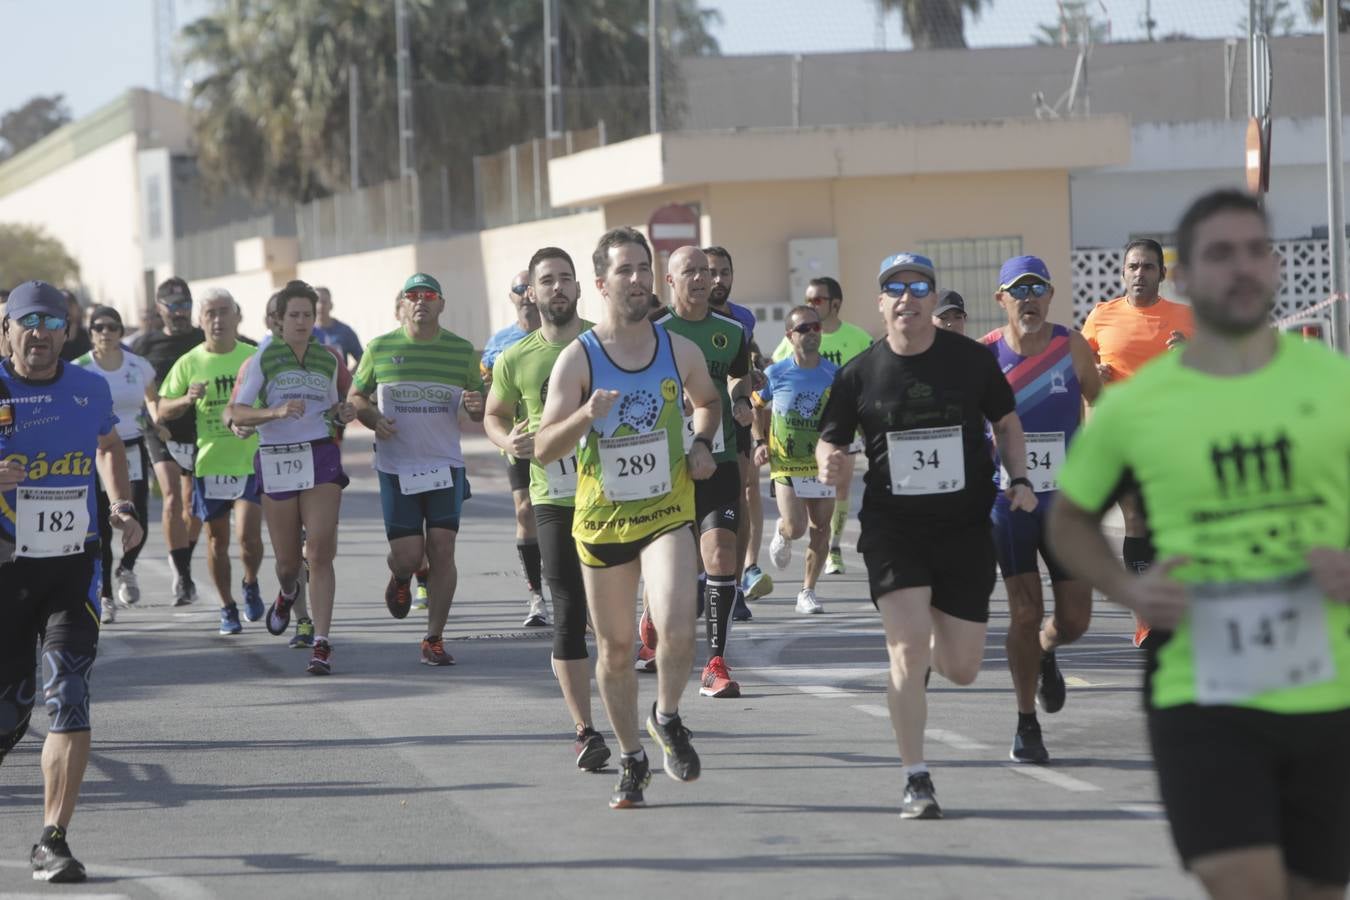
(780, 548)
(538, 616)
(807, 602)
(109, 614)
(128, 588)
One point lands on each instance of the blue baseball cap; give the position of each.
(1020, 267)
(905, 262)
(36, 297)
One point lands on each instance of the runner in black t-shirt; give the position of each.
(921, 397)
(172, 445)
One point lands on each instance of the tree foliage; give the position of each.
(1076, 25)
(1316, 8)
(22, 127)
(27, 252)
(934, 24)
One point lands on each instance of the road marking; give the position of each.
(1058, 779)
(1144, 810)
(158, 883)
(952, 739)
(880, 712)
(824, 690)
(1075, 681)
(48, 896)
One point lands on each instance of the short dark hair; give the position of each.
(715, 250)
(273, 307)
(803, 308)
(544, 253)
(1143, 244)
(172, 287)
(4, 295)
(831, 286)
(295, 289)
(617, 237)
(1206, 207)
(106, 312)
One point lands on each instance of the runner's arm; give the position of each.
(698, 387)
(567, 415)
(500, 414)
(1012, 444)
(1085, 367)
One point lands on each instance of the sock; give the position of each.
(320, 637)
(837, 522)
(1138, 553)
(290, 595)
(182, 562)
(909, 772)
(1027, 720)
(52, 832)
(191, 549)
(721, 598)
(421, 577)
(529, 558)
(666, 718)
(637, 755)
(230, 605)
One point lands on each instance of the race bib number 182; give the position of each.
(51, 521)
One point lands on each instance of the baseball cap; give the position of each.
(905, 262)
(36, 297)
(422, 281)
(949, 300)
(1019, 267)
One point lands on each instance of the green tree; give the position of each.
(1075, 22)
(22, 127)
(27, 252)
(1273, 17)
(934, 24)
(1315, 9)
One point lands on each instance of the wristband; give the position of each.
(700, 439)
(123, 507)
(1021, 480)
(760, 442)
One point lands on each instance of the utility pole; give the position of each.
(553, 106)
(353, 126)
(407, 174)
(166, 68)
(654, 63)
(1335, 171)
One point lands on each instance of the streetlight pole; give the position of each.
(1335, 171)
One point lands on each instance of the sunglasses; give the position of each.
(421, 296)
(104, 327)
(35, 320)
(176, 305)
(1022, 291)
(816, 301)
(805, 328)
(917, 289)
(519, 289)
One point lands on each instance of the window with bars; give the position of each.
(970, 267)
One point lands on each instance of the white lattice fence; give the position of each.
(1305, 277)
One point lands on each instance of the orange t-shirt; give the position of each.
(1125, 337)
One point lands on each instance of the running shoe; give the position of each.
(807, 604)
(398, 597)
(647, 631)
(920, 798)
(420, 595)
(590, 748)
(681, 761)
(253, 602)
(538, 616)
(1028, 746)
(835, 564)
(1052, 691)
(433, 652)
(740, 610)
(756, 583)
(780, 548)
(229, 620)
(183, 591)
(636, 775)
(109, 614)
(304, 634)
(717, 680)
(279, 616)
(52, 860)
(646, 660)
(128, 588)
(1140, 633)
(319, 663)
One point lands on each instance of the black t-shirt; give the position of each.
(955, 382)
(162, 351)
(77, 345)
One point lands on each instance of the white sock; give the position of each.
(663, 719)
(916, 769)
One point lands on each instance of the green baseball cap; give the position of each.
(422, 281)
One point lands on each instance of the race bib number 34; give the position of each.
(926, 461)
(51, 521)
(636, 466)
(1045, 453)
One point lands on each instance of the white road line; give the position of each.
(48, 896)
(824, 690)
(158, 883)
(880, 712)
(1058, 779)
(1075, 681)
(952, 739)
(1144, 810)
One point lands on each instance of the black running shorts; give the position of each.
(518, 473)
(717, 499)
(957, 563)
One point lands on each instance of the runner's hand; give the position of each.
(833, 473)
(130, 528)
(1175, 340)
(344, 412)
(473, 403)
(291, 409)
(196, 390)
(1104, 371)
(600, 404)
(1021, 497)
(1159, 599)
(384, 428)
(761, 454)
(522, 441)
(243, 432)
(11, 473)
(701, 464)
(742, 412)
(1331, 570)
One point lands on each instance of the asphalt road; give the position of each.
(220, 769)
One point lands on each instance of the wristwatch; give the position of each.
(700, 439)
(123, 507)
(1021, 480)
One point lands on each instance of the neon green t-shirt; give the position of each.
(219, 452)
(1243, 476)
(520, 378)
(846, 342)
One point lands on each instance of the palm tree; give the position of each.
(934, 24)
(1315, 8)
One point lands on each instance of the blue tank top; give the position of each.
(1049, 397)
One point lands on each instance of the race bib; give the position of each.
(223, 487)
(927, 461)
(287, 467)
(1045, 453)
(51, 521)
(718, 442)
(423, 480)
(183, 453)
(808, 487)
(135, 465)
(562, 477)
(1252, 638)
(635, 466)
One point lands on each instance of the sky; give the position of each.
(103, 47)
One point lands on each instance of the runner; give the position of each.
(1125, 333)
(840, 341)
(409, 390)
(921, 396)
(78, 342)
(49, 579)
(1243, 472)
(789, 408)
(950, 312)
(289, 393)
(131, 381)
(615, 399)
(1052, 371)
(172, 457)
(717, 499)
(332, 332)
(520, 379)
(518, 469)
(203, 380)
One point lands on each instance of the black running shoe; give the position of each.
(1052, 691)
(398, 597)
(681, 759)
(920, 799)
(52, 860)
(592, 754)
(636, 775)
(1028, 747)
